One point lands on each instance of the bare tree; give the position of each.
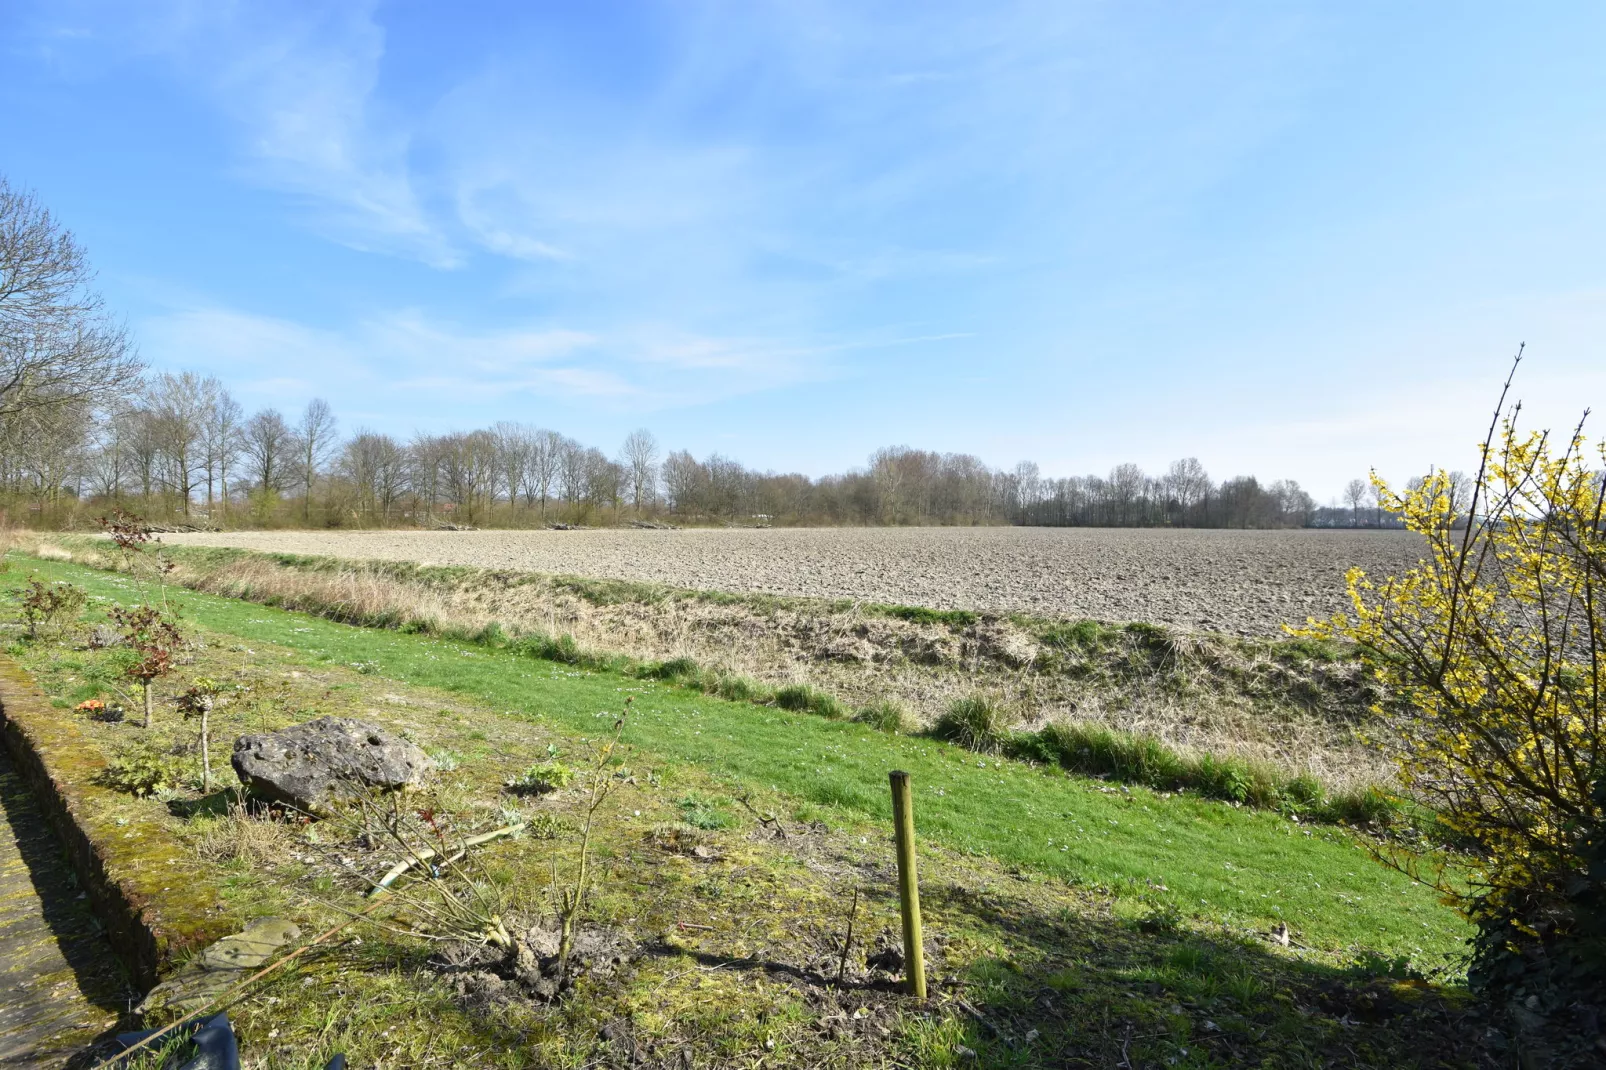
(513, 445)
(267, 443)
(1188, 484)
(640, 459)
(541, 472)
(180, 405)
(315, 441)
(57, 346)
(375, 465)
(221, 441)
(571, 470)
(1355, 497)
(468, 467)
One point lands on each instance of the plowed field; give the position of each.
(1244, 582)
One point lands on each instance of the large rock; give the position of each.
(312, 765)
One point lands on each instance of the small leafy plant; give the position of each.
(142, 769)
(542, 779)
(153, 638)
(197, 702)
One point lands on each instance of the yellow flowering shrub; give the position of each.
(1493, 653)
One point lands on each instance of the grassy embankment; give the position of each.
(1243, 867)
(1079, 923)
(1268, 722)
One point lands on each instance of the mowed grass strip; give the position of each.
(1245, 868)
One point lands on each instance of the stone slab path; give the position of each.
(61, 986)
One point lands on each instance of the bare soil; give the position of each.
(1233, 582)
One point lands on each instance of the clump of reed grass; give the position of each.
(805, 699)
(976, 722)
(884, 715)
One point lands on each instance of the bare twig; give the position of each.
(765, 819)
(420, 857)
(847, 942)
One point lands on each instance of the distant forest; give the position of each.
(176, 448)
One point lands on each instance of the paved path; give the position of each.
(60, 984)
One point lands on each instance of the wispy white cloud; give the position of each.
(404, 356)
(299, 82)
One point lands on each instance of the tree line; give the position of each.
(177, 447)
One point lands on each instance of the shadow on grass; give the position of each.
(1067, 989)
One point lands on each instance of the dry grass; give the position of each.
(238, 836)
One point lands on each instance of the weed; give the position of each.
(240, 836)
(542, 779)
(445, 760)
(703, 812)
(544, 826)
(1161, 920)
(141, 769)
(677, 837)
(675, 669)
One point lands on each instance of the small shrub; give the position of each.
(153, 638)
(976, 722)
(883, 715)
(143, 769)
(804, 699)
(50, 606)
(197, 702)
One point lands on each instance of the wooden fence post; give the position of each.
(903, 820)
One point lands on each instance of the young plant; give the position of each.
(153, 639)
(197, 701)
(51, 605)
(570, 899)
(130, 534)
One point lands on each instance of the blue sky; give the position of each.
(1293, 240)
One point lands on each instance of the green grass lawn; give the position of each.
(1245, 868)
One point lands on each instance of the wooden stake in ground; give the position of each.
(903, 822)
